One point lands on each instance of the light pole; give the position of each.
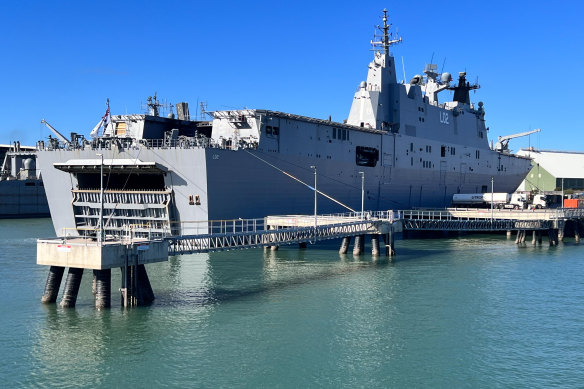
(362, 193)
(100, 235)
(492, 198)
(562, 193)
(315, 195)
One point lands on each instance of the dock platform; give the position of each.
(131, 253)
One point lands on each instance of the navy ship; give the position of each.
(400, 145)
(22, 193)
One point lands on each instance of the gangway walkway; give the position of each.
(278, 230)
(472, 219)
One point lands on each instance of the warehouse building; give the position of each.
(554, 171)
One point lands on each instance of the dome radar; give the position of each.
(446, 78)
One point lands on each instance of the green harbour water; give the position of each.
(475, 312)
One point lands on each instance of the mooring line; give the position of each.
(302, 182)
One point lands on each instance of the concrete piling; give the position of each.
(359, 245)
(136, 289)
(553, 237)
(508, 234)
(375, 245)
(389, 244)
(534, 238)
(102, 281)
(146, 292)
(576, 231)
(71, 289)
(345, 245)
(53, 284)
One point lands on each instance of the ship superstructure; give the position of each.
(408, 148)
(22, 193)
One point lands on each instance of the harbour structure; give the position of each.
(131, 254)
(400, 146)
(22, 193)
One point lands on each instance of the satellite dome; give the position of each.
(363, 85)
(29, 164)
(446, 78)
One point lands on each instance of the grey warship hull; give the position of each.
(197, 182)
(399, 145)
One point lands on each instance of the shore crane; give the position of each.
(502, 144)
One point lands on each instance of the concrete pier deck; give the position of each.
(85, 253)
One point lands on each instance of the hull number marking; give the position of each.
(444, 117)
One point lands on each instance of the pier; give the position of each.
(137, 246)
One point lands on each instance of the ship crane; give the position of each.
(57, 133)
(502, 144)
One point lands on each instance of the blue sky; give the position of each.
(62, 60)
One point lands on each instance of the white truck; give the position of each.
(499, 200)
(538, 201)
(484, 200)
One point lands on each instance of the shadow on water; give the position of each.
(237, 275)
(277, 270)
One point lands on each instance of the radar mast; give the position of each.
(387, 38)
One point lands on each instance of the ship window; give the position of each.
(478, 154)
(452, 151)
(120, 128)
(366, 156)
(276, 131)
(344, 135)
(269, 130)
(347, 134)
(191, 200)
(411, 147)
(484, 189)
(443, 151)
(197, 200)
(334, 133)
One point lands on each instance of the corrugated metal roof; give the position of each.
(560, 164)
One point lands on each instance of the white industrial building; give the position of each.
(554, 171)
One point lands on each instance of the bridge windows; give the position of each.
(340, 133)
(272, 130)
